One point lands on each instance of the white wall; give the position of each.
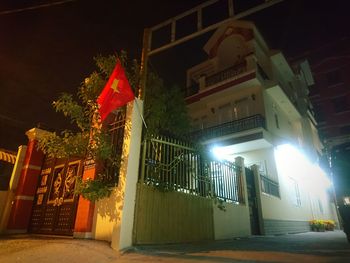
(105, 217)
(285, 129)
(234, 222)
(283, 208)
(263, 157)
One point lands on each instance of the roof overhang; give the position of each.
(241, 142)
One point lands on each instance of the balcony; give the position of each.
(226, 76)
(228, 73)
(251, 122)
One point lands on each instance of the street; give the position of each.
(305, 247)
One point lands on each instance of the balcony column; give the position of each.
(250, 62)
(201, 82)
(239, 162)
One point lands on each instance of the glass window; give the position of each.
(294, 192)
(320, 206)
(276, 121)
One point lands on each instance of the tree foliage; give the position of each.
(164, 111)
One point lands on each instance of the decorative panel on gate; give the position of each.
(55, 202)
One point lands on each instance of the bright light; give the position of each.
(291, 162)
(220, 153)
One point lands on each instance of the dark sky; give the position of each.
(46, 51)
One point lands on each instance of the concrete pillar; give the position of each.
(122, 233)
(27, 183)
(239, 161)
(16, 173)
(258, 191)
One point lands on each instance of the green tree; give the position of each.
(165, 109)
(165, 113)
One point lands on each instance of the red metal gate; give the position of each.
(55, 203)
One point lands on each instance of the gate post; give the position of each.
(256, 173)
(85, 211)
(239, 161)
(122, 233)
(23, 201)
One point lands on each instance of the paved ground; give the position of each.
(306, 247)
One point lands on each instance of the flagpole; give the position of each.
(139, 111)
(144, 62)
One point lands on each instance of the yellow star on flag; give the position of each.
(114, 85)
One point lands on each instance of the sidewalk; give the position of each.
(306, 247)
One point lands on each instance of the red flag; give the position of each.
(116, 93)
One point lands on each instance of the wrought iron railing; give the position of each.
(116, 131)
(251, 122)
(226, 181)
(269, 186)
(172, 165)
(226, 74)
(218, 77)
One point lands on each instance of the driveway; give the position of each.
(305, 247)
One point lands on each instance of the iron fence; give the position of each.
(173, 165)
(116, 132)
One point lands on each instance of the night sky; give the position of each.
(46, 51)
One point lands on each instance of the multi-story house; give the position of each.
(245, 100)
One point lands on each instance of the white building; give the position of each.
(245, 100)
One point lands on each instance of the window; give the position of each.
(276, 121)
(294, 192)
(340, 104)
(320, 206)
(333, 77)
(225, 113)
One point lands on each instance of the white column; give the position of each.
(126, 192)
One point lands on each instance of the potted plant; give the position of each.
(321, 226)
(318, 225)
(330, 225)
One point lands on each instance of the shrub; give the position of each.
(320, 225)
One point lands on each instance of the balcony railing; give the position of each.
(269, 186)
(226, 74)
(218, 77)
(251, 122)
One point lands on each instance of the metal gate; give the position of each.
(252, 201)
(55, 203)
